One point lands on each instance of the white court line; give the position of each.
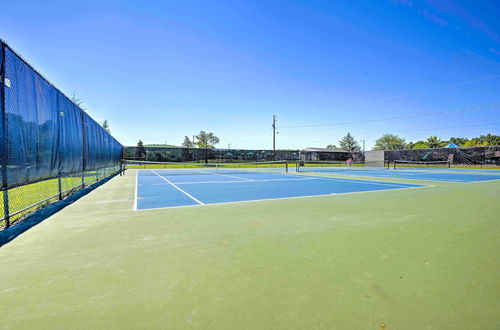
(230, 181)
(239, 181)
(234, 176)
(312, 177)
(136, 188)
(349, 177)
(173, 185)
(482, 181)
(281, 198)
(393, 184)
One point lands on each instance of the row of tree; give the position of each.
(202, 140)
(392, 142)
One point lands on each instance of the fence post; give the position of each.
(59, 186)
(122, 162)
(5, 145)
(84, 145)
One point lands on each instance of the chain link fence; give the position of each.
(474, 156)
(168, 154)
(49, 146)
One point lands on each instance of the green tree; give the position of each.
(105, 125)
(458, 141)
(420, 145)
(206, 140)
(476, 142)
(331, 146)
(434, 142)
(140, 151)
(76, 100)
(490, 139)
(187, 143)
(389, 142)
(348, 143)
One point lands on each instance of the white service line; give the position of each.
(234, 176)
(382, 183)
(348, 177)
(482, 181)
(182, 191)
(230, 181)
(239, 181)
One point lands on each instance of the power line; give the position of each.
(399, 131)
(426, 114)
(302, 137)
(419, 129)
(450, 127)
(247, 135)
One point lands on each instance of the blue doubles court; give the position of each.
(444, 175)
(164, 188)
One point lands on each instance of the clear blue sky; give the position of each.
(159, 70)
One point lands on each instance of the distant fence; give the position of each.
(457, 156)
(49, 146)
(164, 154)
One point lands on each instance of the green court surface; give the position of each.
(413, 259)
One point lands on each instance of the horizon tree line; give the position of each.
(392, 142)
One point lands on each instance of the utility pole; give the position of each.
(274, 136)
(229, 146)
(193, 141)
(363, 146)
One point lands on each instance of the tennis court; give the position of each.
(410, 258)
(427, 174)
(161, 188)
(94, 237)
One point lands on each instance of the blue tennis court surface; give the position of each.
(160, 189)
(447, 175)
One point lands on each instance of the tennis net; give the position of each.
(406, 164)
(323, 166)
(175, 168)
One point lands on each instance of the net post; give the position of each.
(5, 145)
(286, 166)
